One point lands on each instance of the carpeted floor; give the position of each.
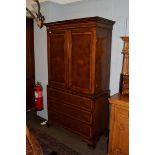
(50, 144)
(60, 140)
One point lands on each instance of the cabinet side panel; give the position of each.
(101, 115)
(103, 59)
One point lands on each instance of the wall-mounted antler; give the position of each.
(39, 18)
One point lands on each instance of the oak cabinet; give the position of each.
(79, 54)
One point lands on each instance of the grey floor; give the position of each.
(69, 139)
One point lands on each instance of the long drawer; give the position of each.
(81, 102)
(74, 125)
(70, 111)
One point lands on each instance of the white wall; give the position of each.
(117, 10)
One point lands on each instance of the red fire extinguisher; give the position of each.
(38, 97)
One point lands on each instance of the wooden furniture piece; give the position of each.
(32, 145)
(79, 53)
(30, 73)
(119, 125)
(124, 77)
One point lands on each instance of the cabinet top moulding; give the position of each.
(82, 22)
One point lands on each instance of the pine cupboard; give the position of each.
(119, 125)
(79, 53)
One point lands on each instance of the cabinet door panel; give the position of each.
(81, 60)
(57, 58)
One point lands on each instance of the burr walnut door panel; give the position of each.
(81, 60)
(57, 58)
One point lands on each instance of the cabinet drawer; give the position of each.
(67, 122)
(70, 111)
(81, 102)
